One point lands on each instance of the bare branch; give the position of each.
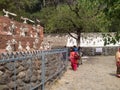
(71, 35)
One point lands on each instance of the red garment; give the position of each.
(118, 64)
(74, 60)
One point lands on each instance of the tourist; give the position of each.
(117, 57)
(74, 59)
(78, 50)
(75, 48)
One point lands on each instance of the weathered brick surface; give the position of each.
(5, 23)
(24, 40)
(4, 28)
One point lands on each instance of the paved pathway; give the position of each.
(96, 73)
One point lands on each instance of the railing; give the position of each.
(31, 70)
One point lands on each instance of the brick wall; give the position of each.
(4, 28)
(6, 22)
(24, 40)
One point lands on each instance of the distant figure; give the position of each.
(78, 51)
(117, 57)
(6, 13)
(75, 48)
(74, 59)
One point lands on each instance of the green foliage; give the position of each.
(23, 8)
(112, 12)
(84, 16)
(111, 38)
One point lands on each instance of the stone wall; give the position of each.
(91, 51)
(59, 41)
(24, 70)
(56, 40)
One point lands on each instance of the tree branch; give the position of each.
(75, 10)
(71, 35)
(72, 22)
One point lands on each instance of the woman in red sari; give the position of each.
(117, 57)
(74, 59)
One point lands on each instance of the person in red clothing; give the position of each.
(74, 57)
(117, 57)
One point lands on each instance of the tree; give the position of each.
(78, 16)
(112, 12)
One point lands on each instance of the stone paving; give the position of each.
(96, 73)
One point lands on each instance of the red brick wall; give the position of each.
(18, 24)
(4, 37)
(24, 40)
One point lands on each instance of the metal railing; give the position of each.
(31, 70)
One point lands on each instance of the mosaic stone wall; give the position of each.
(26, 74)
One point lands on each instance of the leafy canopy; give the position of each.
(85, 16)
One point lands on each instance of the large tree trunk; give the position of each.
(78, 33)
(78, 40)
(78, 37)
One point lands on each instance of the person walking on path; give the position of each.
(77, 50)
(117, 57)
(74, 59)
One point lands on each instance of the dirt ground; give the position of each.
(96, 73)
